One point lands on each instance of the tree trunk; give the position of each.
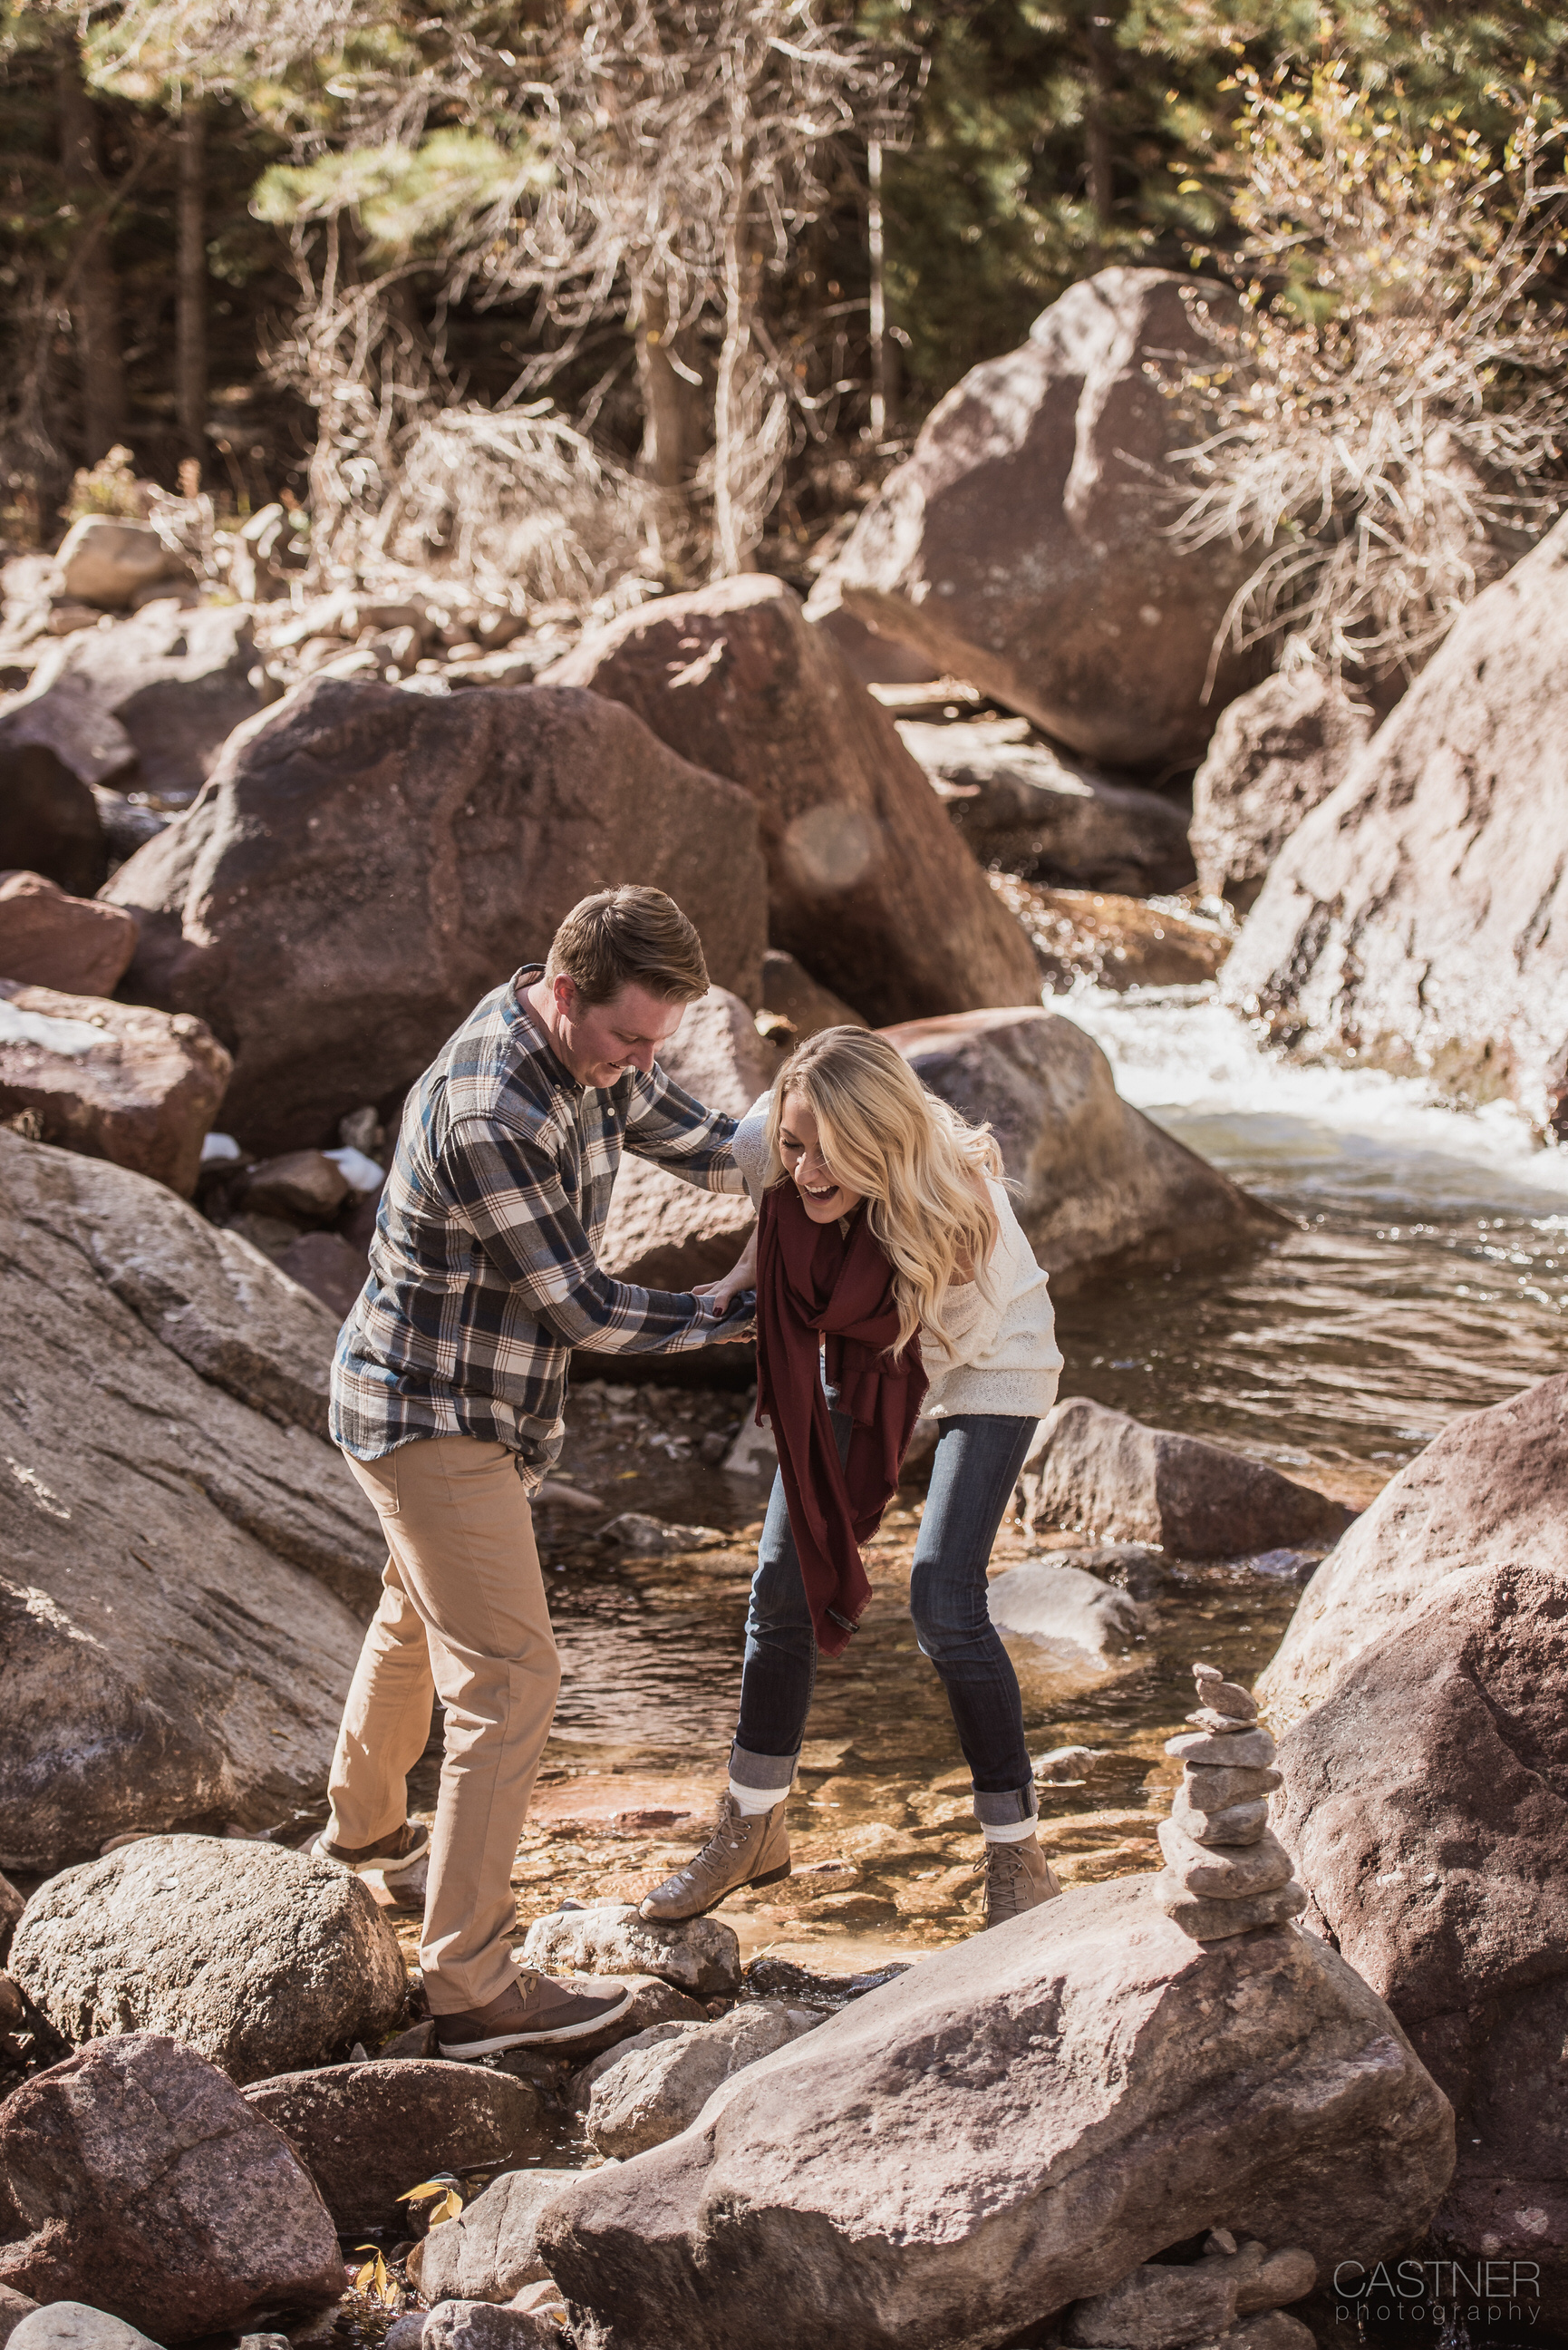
(884, 378)
(94, 298)
(1099, 155)
(670, 401)
(191, 284)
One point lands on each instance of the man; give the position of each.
(447, 1389)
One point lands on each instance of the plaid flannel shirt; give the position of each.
(484, 1268)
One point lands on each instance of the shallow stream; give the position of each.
(1427, 1275)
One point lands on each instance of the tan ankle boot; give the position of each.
(740, 1851)
(1017, 1877)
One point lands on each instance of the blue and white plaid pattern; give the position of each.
(484, 1268)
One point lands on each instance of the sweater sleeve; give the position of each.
(748, 1148)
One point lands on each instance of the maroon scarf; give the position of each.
(810, 1280)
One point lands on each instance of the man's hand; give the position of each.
(743, 1274)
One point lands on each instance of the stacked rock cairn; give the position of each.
(1226, 1870)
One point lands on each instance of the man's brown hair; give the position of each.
(629, 936)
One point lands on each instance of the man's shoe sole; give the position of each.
(422, 1851)
(665, 1918)
(496, 2047)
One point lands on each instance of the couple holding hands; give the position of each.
(887, 1276)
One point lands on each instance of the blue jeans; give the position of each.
(978, 1460)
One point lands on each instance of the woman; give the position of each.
(887, 1245)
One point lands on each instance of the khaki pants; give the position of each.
(463, 1612)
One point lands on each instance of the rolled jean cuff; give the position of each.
(765, 1771)
(1000, 1810)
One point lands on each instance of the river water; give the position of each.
(1428, 1274)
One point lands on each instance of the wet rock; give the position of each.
(1492, 1486)
(104, 561)
(1115, 942)
(430, 845)
(789, 990)
(1100, 1183)
(1416, 918)
(1103, 1470)
(153, 2192)
(50, 939)
(699, 1955)
(115, 1081)
(10, 1907)
(366, 2133)
(69, 2325)
(1065, 1609)
(866, 882)
(1018, 547)
(663, 1233)
(489, 2252)
(190, 1564)
(647, 1537)
(480, 2325)
(14, 2308)
(1029, 810)
(1442, 1874)
(1277, 752)
(650, 2087)
(260, 1958)
(179, 683)
(1009, 2127)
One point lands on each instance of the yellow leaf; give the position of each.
(423, 2194)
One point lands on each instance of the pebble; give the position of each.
(1224, 1873)
(1240, 1749)
(1213, 1790)
(1237, 1824)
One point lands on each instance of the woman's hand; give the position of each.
(743, 1274)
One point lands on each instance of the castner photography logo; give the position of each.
(1468, 2292)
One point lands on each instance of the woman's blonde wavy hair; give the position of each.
(914, 1159)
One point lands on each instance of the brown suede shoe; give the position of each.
(394, 1855)
(1017, 1877)
(535, 2011)
(740, 1851)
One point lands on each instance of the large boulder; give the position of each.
(113, 1080)
(1418, 919)
(366, 2133)
(663, 1233)
(50, 939)
(1074, 1618)
(178, 683)
(655, 2085)
(365, 863)
(102, 560)
(185, 1563)
(1012, 2126)
(1121, 1481)
(1426, 1807)
(1276, 753)
(1027, 809)
(152, 2190)
(1490, 1491)
(261, 1959)
(1020, 545)
(1100, 1183)
(866, 882)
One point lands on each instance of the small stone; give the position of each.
(75, 2325)
(1154, 2308)
(1213, 1789)
(1220, 1724)
(654, 1538)
(1221, 1873)
(1240, 1748)
(482, 2325)
(1287, 2274)
(300, 1184)
(1222, 1696)
(1219, 2239)
(1237, 1824)
(1215, 1921)
(488, 2252)
(654, 2086)
(699, 1955)
(1272, 2331)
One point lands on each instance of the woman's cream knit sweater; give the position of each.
(1004, 1359)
